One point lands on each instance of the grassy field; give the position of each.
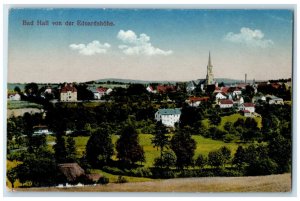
(22, 104)
(204, 146)
(270, 183)
(231, 118)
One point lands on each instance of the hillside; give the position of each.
(271, 183)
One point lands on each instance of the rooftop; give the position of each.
(169, 111)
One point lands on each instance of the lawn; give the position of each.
(22, 104)
(204, 146)
(231, 118)
(113, 178)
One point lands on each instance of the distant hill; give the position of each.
(126, 81)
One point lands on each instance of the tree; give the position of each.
(239, 157)
(167, 160)
(226, 153)
(280, 151)
(184, 147)
(160, 139)
(215, 119)
(71, 149)
(17, 89)
(215, 159)
(60, 151)
(128, 147)
(99, 148)
(219, 157)
(201, 161)
(12, 176)
(38, 168)
(31, 89)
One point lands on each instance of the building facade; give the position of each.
(168, 117)
(68, 93)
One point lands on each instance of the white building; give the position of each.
(226, 103)
(274, 100)
(249, 107)
(168, 117)
(68, 93)
(220, 96)
(14, 97)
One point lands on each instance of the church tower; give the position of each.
(209, 75)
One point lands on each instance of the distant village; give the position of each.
(198, 91)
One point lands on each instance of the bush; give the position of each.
(158, 173)
(142, 172)
(103, 180)
(121, 180)
(228, 138)
(113, 170)
(187, 173)
(262, 167)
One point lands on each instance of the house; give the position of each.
(192, 85)
(235, 91)
(274, 100)
(68, 93)
(108, 91)
(196, 101)
(70, 172)
(246, 113)
(98, 92)
(226, 103)
(150, 89)
(168, 117)
(14, 97)
(40, 130)
(220, 96)
(164, 89)
(249, 107)
(257, 99)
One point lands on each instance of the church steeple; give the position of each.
(209, 75)
(209, 60)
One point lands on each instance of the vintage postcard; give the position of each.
(149, 100)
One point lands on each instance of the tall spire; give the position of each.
(209, 60)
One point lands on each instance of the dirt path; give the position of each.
(271, 183)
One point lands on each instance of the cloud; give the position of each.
(249, 37)
(134, 45)
(95, 47)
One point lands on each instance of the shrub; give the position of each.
(103, 180)
(112, 170)
(142, 172)
(121, 180)
(201, 161)
(158, 173)
(228, 138)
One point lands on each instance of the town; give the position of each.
(112, 131)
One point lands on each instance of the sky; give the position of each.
(149, 44)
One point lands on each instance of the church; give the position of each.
(203, 84)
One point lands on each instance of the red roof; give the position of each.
(226, 101)
(249, 105)
(195, 99)
(68, 87)
(275, 85)
(224, 89)
(101, 89)
(163, 89)
(245, 111)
